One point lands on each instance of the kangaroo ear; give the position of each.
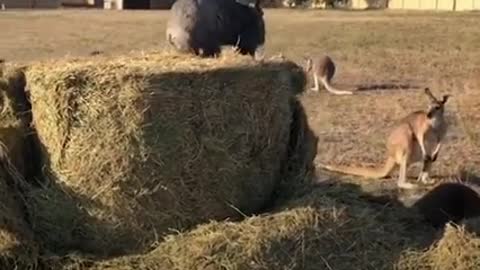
(445, 99)
(430, 95)
(2, 65)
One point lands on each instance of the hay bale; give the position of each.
(138, 145)
(458, 249)
(14, 118)
(17, 248)
(332, 228)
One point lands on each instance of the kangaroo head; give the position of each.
(436, 107)
(308, 64)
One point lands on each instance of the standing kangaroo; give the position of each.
(417, 138)
(323, 69)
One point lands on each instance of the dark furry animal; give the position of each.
(450, 202)
(203, 26)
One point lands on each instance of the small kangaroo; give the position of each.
(323, 69)
(416, 138)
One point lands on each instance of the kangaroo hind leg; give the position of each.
(403, 160)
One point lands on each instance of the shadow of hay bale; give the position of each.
(332, 227)
(55, 208)
(17, 246)
(137, 146)
(299, 166)
(456, 249)
(472, 225)
(448, 201)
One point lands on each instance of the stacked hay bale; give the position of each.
(141, 145)
(17, 248)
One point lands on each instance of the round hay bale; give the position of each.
(17, 247)
(14, 119)
(137, 146)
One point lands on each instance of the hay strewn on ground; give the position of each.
(458, 249)
(330, 228)
(17, 247)
(138, 145)
(334, 227)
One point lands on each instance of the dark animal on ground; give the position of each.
(203, 26)
(451, 202)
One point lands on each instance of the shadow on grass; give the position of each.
(387, 86)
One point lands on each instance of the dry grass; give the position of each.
(398, 51)
(138, 146)
(389, 57)
(457, 249)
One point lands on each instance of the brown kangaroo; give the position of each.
(417, 138)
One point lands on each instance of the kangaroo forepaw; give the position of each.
(423, 178)
(405, 185)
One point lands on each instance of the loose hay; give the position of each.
(136, 146)
(458, 249)
(17, 248)
(333, 228)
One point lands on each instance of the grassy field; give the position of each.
(386, 57)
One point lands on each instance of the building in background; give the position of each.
(82, 3)
(107, 4)
(455, 5)
(137, 4)
(30, 3)
(447, 5)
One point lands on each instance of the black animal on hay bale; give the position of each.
(203, 26)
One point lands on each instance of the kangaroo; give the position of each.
(416, 138)
(323, 69)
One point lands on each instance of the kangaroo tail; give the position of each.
(365, 172)
(333, 90)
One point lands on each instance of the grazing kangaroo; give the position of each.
(323, 69)
(411, 141)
